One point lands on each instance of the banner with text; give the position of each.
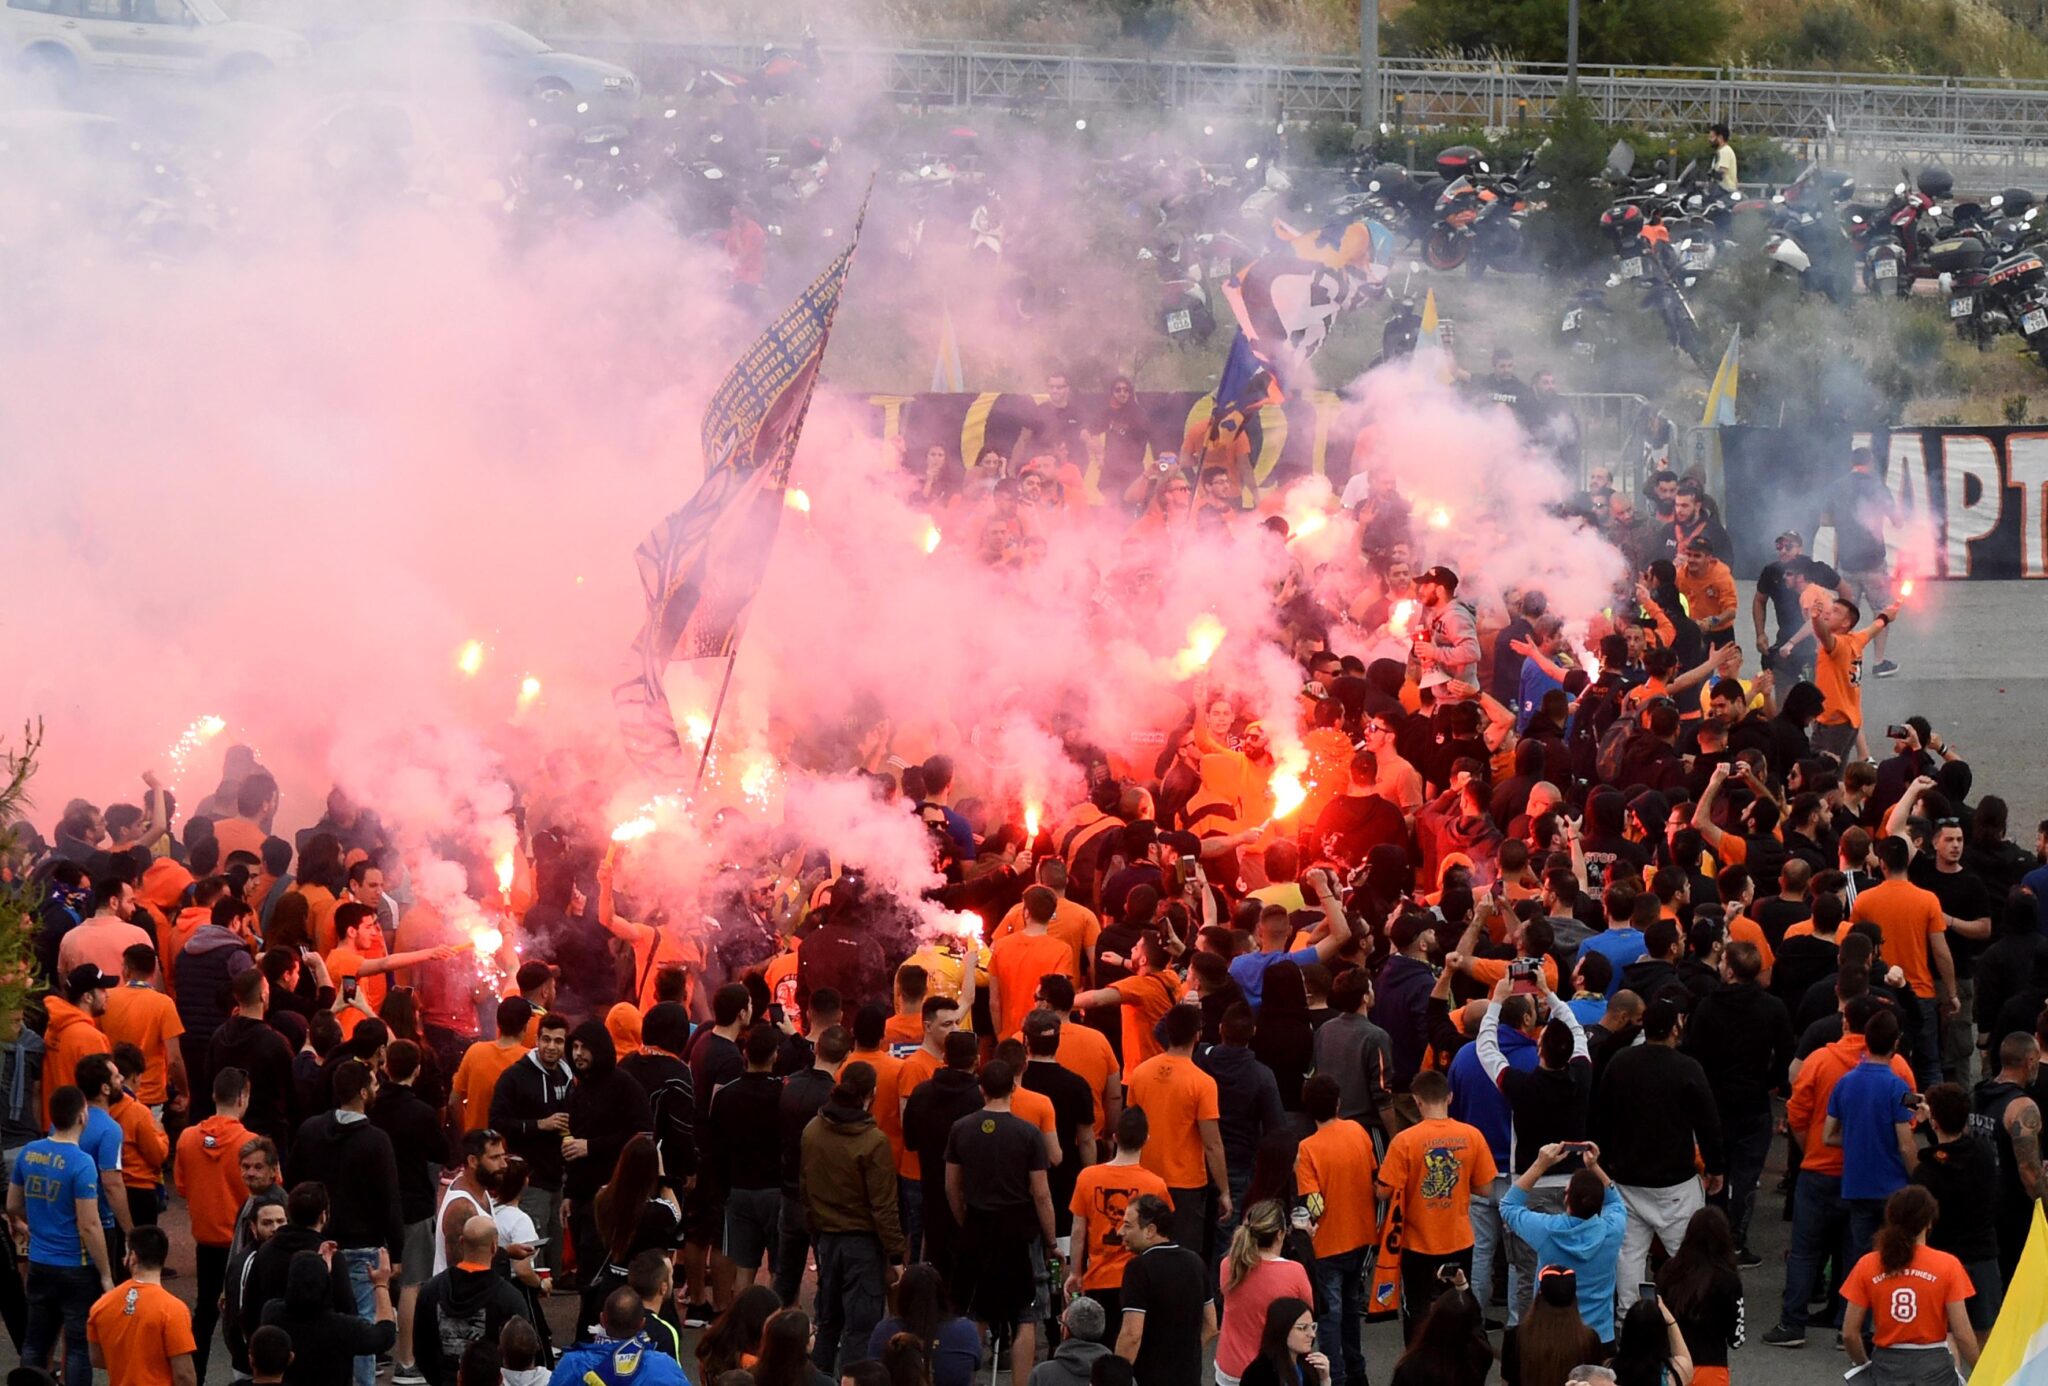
(1983, 493)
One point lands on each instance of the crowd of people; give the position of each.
(1494, 1031)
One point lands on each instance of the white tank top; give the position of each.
(441, 1220)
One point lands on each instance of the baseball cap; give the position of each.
(1791, 534)
(1442, 577)
(87, 977)
(535, 974)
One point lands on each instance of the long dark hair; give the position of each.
(922, 1303)
(1642, 1349)
(1907, 1215)
(1550, 1340)
(1704, 1262)
(401, 1012)
(1450, 1347)
(635, 1180)
(291, 923)
(1273, 1348)
(321, 863)
(785, 1350)
(736, 1331)
(1273, 1168)
(907, 1361)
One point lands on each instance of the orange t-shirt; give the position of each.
(1807, 1110)
(321, 904)
(238, 835)
(903, 1029)
(1908, 917)
(1015, 964)
(1743, 929)
(140, 1328)
(345, 962)
(1072, 924)
(1101, 1194)
(917, 1066)
(138, 1014)
(1147, 1000)
(1430, 1172)
(1909, 1307)
(1803, 929)
(1334, 1172)
(888, 1107)
(1086, 1051)
(1036, 1108)
(1709, 595)
(1176, 1096)
(476, 1078)
(1839, 677)
(144, 1145)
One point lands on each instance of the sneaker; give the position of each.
(407, 1374)
(699, 1316)
(1885, 669)
(1784, 1337)
(1747, 1259)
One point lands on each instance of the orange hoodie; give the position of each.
(70, 1035)
(187, 924)
(1807, 1111)
(144, 1146)
(622, 1023)
(209, 1172)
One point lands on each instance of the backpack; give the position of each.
(1608, 760)
(1597, 713)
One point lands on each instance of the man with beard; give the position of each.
(606, 1109)
(530, 1109)
(263, 1277)
(269, 1221)
(1126, 437)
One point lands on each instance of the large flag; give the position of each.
(702, 565)
(947, 377)
(1288, 297)
(2016, 1353)
(1721, 398)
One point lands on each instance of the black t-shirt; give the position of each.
(1118, 940)
(714, 1060)
(1117, 889)
(1073, 1107)
(1963, 896)
(997, 1153)
(1771, 583)
(1167, 1285)
(1602, 851)
(1353, 824)
(1777, 914)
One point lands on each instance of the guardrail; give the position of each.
(1427, 92)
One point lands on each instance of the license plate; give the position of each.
(1694, 260)
(1632, 268)
(1885, 269)
(1962, 307)
(1180, 320)
(2036, 320)
(1584, 349)
(1573, 319)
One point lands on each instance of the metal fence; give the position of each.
(1431, 92)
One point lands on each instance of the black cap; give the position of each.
(87, 977)
(1442, 577)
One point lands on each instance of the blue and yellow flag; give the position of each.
(702, 565)
(1727, 381)
(2016, 1353)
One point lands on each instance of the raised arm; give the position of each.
(1703, 812)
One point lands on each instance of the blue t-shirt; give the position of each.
(1620, 947)
(1529, 693)
(1870, 1100)
(102, 1141)
(1590, 1011)
(52, 1177)
(1249, 971)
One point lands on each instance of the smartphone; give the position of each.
(1897, 732)
(1647, 1291)
(1522, 976)
(348, 988)
(1187, 866)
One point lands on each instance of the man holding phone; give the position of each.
(1585, 1236)
(359, 973)
(1276, 930)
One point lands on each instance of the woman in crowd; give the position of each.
(1450, 1349)
(924, 1311)
(1254, 1274)
(1650, 1350)
(1905, 1273)
(1285, 1041)
(1287, 1348)
(1702, 1287)
(636, 1211)
(1551, 1339)
(785, 1357)
(733, 1340)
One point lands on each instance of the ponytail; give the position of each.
(1261, 1230)
(1907, 1216)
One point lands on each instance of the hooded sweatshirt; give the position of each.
(634, 1362)
(353, 1157)
(1589, 1246)
(846, 1177)
(209, 1174)
(211, 960)
(256, 1048)
(325, 1341)
(1071, 1364)
(606, 1109)
(270, 1270)
(1477, 1101)
(1605, 843)
(462, 1305)
(70, 1034)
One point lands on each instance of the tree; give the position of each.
(1619, 32)
(17, 895)
(1565, 234)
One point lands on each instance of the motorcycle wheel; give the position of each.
(1445, 249)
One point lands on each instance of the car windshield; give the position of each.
(207, 12)
(508, 37)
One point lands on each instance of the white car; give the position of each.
(61, 40)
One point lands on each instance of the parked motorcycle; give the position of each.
(1644, 257)
(1806, 238)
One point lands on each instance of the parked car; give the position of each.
(62, 40)
(428, 55)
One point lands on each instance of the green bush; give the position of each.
(1330, 142)
(1623, 32)
(1565, 234)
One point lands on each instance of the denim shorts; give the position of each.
(753, 1225)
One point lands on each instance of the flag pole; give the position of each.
(717, 708)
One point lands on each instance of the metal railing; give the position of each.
(1429, 92)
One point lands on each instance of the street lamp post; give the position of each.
(1369, 66)
(1571, 47)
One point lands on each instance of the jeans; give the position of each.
(1748, 1138)
(1990, 1296)
(1820, 1226)
(1927, 1053)
(544, 1206)
(793, 1248)
(1866, 1216)
(60, 1297)
(910, 1206)
(1342, 1280)
(851, 1273)
(361, 1260)
(1487, 1232)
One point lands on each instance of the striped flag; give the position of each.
(2016, 1353)
(1721, 397)
(702, 565)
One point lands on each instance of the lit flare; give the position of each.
(932, 538)
(1031, 822)
(1205, 637)
(487, 940)
(529, 689)
(1906, 588)
(503, 866)
(1404, 613)
(470, 658)
(633, 829)
(797, 499)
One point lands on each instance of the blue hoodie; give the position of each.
(632, 1362)
(1477, 1101)
(1589, 1246)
